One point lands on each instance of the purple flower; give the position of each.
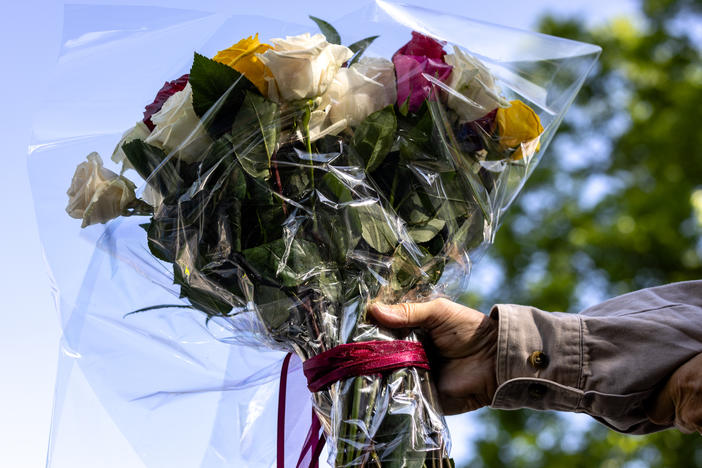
(422, 55)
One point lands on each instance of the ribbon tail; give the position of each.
(280, 454)
(318, 451)
(313, 445)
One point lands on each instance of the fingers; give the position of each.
(688, 410)
(679, 403)
(662, 412)
(686, 422)
(412, 314)
(451, 406)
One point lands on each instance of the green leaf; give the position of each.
(262, 214)
(238, 183)
(328, 30)
(374, 137)
(297, 181)
(173, 225)
(359, 47)
(330, 287)
(198, 291)
(289, 267)
(375, 228)
(339, 232)
(217, 156)
(405, 272)
(414, 134)
(218, 92)
(471, 233)
(426, 231)
(157, 307)
(404, 108)
(274, 306)
(160, 240)
(338, 228)
(146, 158)
(335, 189)
(254, 134)
(455, 200)
(416, 208)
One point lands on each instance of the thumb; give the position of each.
(426, 315)
(662, 410)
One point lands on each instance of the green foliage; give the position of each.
(374, 137)
(339, 231)
(218, 92)
(255, 133)
(289, 262)
(529, 439)
(359, 47)
(333, 37)
(377, 228)
(328, 30)
(146, 159)
(634, 130)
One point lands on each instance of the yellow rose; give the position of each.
(519, 127)
(242, 58)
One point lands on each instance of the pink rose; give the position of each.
(422, 55)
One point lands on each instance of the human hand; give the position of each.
(466, 342)
(680, 401)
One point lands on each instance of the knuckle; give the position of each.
(407, 312)
(696, 418)
(684, 423)
(444, 311)
(441, 303)
(684, 428)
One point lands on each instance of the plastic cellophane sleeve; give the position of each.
(263, 216)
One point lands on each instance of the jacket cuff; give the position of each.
(539, 360)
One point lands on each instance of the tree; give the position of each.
(615, 206)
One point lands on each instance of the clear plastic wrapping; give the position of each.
(273, 189)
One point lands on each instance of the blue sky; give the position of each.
(29, 333)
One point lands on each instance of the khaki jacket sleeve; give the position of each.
(606, 361)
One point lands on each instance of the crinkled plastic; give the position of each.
(262, 201)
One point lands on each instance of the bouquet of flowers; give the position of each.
(286, 184)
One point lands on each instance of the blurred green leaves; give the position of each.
(611, 209)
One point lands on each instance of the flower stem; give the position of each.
(308, 140)
(306, 125)
(355, 410)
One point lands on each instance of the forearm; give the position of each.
(606, 361)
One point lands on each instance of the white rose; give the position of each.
(354, 94)
(302, 66)
(178, 129)
(138, 132)
(381, 70)
(98, 195)
(360, 90)
(320, 125)
(479, 95)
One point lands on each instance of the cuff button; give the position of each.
(538, 360)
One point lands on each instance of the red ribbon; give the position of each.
(314, 443)
(342, 362)
(366, 358)
(281, 410)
